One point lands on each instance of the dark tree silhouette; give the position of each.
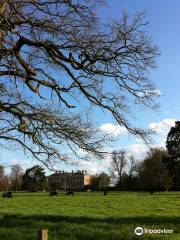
(132, 171)
(34, 179)
(172, 161)
(173, 141)
(100, 182)
(152, 173)
(56, 54)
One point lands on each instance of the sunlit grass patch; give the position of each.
(89, 215)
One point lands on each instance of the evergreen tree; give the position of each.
(34, 179)
(172, 161)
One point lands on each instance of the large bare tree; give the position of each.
(16, 177)
(55, 55)
(119, 162)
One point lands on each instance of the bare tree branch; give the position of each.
(59, 50)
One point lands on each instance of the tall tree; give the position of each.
(16, 177)
(100, 181)
(95, 183)
(172, 161)
(132, 172)
(152, 172)
(4, 180)
(57, 54)
(104, 181)
(1, 171)
(119, 161)
(34, 179)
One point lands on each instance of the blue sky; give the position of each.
(164, 22)
(164, 19)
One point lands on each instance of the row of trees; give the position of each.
(126, 174)
(149, 174)
(159, 170)
(33, 179)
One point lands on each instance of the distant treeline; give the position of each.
(146, 175)
(126, 174)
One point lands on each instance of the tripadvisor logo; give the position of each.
(139, 231)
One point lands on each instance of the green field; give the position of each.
(86, 216)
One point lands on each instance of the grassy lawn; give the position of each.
(86, 216)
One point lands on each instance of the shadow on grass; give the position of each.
(76, 227)
(15, 219)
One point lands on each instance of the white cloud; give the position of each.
(163, 126)
(161, 143)
(96, 166)
(137, 150)
(115, 130)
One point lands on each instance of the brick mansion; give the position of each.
(62, 180)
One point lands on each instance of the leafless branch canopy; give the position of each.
(59, 50)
